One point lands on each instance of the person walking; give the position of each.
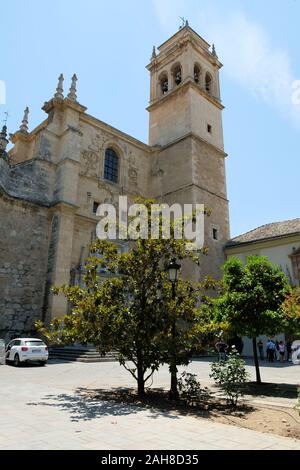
(288, 351)
(281, 349)
(260, 346)
(270, 350)
(276, 350)
(222, 348)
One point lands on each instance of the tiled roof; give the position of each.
(265, 232)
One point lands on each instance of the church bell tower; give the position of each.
(185, 125)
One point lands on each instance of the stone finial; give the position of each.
(73, 89)
(186, 23)
(3, 141)
(153, 53)
(214, 51)
(24, 123)
(59, 95)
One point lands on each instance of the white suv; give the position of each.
(26, 350)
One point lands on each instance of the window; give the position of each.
(95, 206)
(208, 83)
(111, 166)
(177, 74)
(197, 73)
(209, 128)
(215, 234)
(34, 343)
(164, 83)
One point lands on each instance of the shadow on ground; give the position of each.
(272, 390)
(88, 404)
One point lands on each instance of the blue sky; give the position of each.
(108, 45)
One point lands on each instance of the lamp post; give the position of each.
(173, 269)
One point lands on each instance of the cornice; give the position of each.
(196, 137)
(187, 186)
(64, 206)
(62, 104)
(188, 83)
(95, 122)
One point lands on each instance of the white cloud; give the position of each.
(245, 47)
(251, 60)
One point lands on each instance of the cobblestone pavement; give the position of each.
(40, 409)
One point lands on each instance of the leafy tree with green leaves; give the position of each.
(291, 307)
(131, 309)
(251, 303)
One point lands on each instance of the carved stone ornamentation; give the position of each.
(89, 162)
(132, 172)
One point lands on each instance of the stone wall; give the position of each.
(29, 181)
(24, 227)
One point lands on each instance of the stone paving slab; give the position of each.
(40, 409)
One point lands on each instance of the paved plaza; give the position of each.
(40, 408)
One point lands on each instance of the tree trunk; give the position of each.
(173, 394)
(258, 379)
(140, 376)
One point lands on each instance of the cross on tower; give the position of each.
(184, 22)
(6, 118)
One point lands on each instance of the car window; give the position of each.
(34, 343)
(17, 342)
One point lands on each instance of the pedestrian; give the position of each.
(281, 349)
(260, 346)
(288, 351)
(222, 348)
(276, 350)
(270, 350)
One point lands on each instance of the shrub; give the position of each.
(231, 376)
(189, 387)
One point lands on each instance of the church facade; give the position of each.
(54, 177)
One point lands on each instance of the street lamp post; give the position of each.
(173, 269)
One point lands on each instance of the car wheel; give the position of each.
(16, 360)
(42, 363)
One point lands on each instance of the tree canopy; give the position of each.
(126, 305)
(251, 303)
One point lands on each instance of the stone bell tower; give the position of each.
(185, 126)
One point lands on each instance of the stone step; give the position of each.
(80, 354)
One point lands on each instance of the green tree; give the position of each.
(131, 309)
(291, 308)
(251, 303)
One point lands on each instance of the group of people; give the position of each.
(275, 350)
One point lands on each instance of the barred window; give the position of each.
(111, 165)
